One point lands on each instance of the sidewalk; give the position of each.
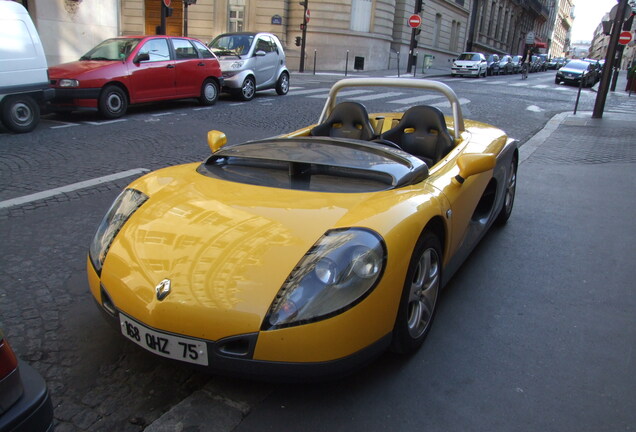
(592, 162)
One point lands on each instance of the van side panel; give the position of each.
(23, 67)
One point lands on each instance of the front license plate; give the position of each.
(166, 345)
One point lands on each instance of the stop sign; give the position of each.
(625, 38)
(415, 21)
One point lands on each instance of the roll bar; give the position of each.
(423, 84)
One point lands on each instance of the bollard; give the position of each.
(314, 62)
(398, 59)
(578, 94)
(347, 63)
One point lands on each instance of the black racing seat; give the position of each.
(347, 120)
(422, 132)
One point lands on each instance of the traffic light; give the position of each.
(168, 12)
(298, 40)
(302, 27)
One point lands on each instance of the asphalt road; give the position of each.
(470, 370)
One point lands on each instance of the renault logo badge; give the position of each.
(163, 289)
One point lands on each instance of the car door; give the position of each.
(266, 59)
(190, 70)
(152, 72)
(467, 219)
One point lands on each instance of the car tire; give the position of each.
(113, 102)
(419, 295)
(282, 85)
(509, 194)
(209, 92)
(20, 113)
(248, 89)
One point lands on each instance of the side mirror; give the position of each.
(473, 163)
(142, 57)
(216, 140)
(260, 53)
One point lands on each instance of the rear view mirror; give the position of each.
(142, 57)
(474, 163)
(216, 140)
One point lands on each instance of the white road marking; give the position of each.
(70, 188)
(310, 91)
(534, 108)
(415, 99)
(376, 96)
(344, 93)
(100, 123)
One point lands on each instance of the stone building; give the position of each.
(561, 33)
(375, 31)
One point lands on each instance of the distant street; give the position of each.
(486, 326)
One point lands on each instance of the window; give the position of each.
(204, 52)
(184, 49)
(236, 15)
(157, 49)
(361, 15)
(264, 44)
(437, 30)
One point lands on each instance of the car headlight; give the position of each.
(339, 271)
(68, 83)
(124, 206)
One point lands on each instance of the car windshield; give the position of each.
(316, 164)
(235, 44)
(111, 49)
(492, 58)
(516, 59)
(577, 65)
(469, 56)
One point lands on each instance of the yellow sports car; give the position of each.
(309, 253)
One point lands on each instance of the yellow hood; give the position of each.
(226, 247)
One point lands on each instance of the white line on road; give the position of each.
(376, 96)
(415, 99)
(70, 188)
(105, 122)
(302, 92)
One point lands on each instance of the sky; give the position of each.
(588, 14)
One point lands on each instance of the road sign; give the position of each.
(625, 37)
(530, 38)
(415, 21)
(307, 16)
(166, 2)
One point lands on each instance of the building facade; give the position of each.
(338, 32)
(561, 33)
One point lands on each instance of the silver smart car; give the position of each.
(251, 62)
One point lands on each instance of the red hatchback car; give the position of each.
(135, 69)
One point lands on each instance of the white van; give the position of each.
(24, 80)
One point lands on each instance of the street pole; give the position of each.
(601, 96)
(303, 27)
(414, 33)
(164, 12)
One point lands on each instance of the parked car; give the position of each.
(308, 253)
(25, 403)
(555, 63)
(251, 62)
(470, 64)
(493, 64)
(505, 65)
(24, 84)
(598, 66)
(538, 64)
(516, 63)
(576, 71)
(133, 69)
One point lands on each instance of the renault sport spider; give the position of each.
(309, 253)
